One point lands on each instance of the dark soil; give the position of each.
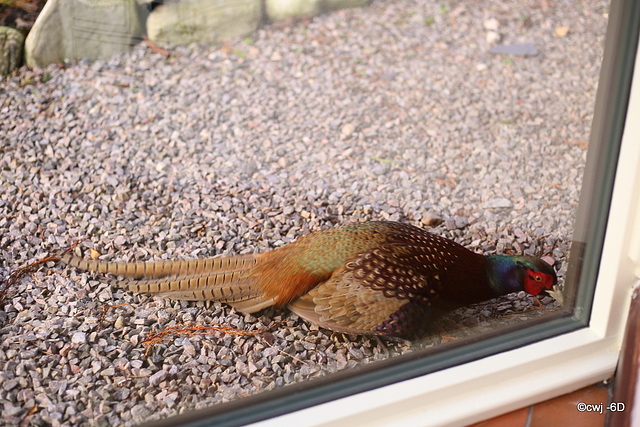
(20, 14)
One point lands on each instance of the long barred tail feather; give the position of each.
(158, 269)
(223, 287)
(224, 279)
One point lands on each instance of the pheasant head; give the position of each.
(520, 273)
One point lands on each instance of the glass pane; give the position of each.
(469, 121)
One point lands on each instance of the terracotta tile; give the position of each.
(628, 372)
(562, 411)
(516, 418)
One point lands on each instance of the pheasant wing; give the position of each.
(373, 293)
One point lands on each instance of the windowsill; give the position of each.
(478, 390)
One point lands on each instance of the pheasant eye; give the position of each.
(538, 278)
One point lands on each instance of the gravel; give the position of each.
(396, 111)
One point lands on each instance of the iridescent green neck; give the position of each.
(505, 273)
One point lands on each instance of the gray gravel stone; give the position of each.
(157, 378)
(518, 49)
(79, 338)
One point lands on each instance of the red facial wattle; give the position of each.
(536, 281)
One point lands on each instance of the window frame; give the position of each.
(522, 367)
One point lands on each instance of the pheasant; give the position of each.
(370, 278)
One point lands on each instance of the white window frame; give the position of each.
(513, 379)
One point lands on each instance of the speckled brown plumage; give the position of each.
(383, 278)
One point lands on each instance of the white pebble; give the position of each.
(79, 338)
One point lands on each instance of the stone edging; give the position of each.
(68, 30)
